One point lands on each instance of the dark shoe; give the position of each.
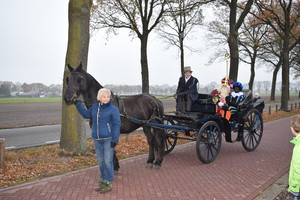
(106, 187)
(101, 183)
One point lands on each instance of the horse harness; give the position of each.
(121, 106)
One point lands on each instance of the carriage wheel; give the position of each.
(209, 142)
(171, 137)
(253, 130)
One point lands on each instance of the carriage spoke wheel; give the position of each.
(171, 137)
(209, 142)
(253, 130)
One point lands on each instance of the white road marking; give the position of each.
(53, 141)
(11, 147)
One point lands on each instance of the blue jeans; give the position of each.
(296, 196)
(105, 159)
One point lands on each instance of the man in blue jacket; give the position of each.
(105, 132)
(187, 90)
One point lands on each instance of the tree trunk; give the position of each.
(285, 80)
(73, 134)
(233, 42)
(274, 79)
(252, 70)
(285, 63)
(144, 64)
(181, 54)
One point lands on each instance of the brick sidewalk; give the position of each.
(235, 174)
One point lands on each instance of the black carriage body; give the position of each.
(205, 126)
(202, 111)
(204, 119)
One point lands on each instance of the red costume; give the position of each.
(223, 91)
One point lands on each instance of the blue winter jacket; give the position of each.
(105, 118)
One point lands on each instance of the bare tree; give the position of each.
(266, 86)
(272, 57)
(180, 18)
(217, 33)
(73, 135)
(227, 29)
(235, 23)
(295, 61)
(139, 16)
(283, 16)
(258, 85)
(251, 40)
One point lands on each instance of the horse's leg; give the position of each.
(150, 140)
(116, 163)
(159, 137)
(159, 146)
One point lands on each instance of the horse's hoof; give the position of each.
(149, 165)
(116, 172)
(156, 166)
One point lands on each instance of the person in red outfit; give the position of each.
(223, 91)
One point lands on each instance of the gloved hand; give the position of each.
(221, 104)
(113, 144)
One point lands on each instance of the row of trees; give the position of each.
(8, 88)
(174, 20)
(261, 87)
(269, 36)
(264, 31)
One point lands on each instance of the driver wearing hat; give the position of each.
(187, 90)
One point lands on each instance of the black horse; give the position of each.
(143, 107)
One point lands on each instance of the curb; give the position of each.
(275, 189)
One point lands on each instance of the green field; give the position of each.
(29, 100)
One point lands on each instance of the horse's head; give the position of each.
(76, 84)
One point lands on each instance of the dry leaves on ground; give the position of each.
(35, 163)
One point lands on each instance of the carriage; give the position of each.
(206, 126)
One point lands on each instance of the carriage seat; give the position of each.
(204, 104)
(247, 102)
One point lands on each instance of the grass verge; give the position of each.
(31, 164)
(29, 100)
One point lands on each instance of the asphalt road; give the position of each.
(29, 115)
(14, 115)
(33, 136)
(26, 124)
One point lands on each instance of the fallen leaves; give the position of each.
(35, 163)
(279, 115)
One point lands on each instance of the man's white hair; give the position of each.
(103, 91)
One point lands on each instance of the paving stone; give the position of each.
(235, 174)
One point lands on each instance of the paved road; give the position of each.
(13, 115)
(29, 114)
(39, 113)
(235, 175)
(33, 136)
(33, 114)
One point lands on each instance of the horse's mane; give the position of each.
(92, 82)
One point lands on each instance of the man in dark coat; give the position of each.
(186, 90)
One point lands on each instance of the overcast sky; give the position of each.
(33, 43)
